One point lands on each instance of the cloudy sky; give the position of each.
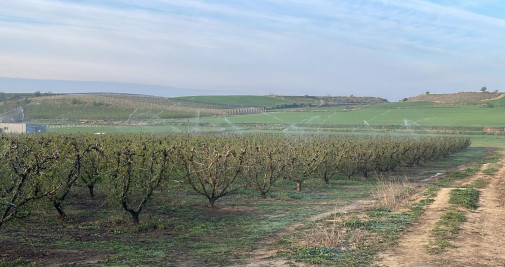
(387, 48)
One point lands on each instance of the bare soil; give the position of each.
(481, 241)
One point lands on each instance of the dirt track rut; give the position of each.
(481, 241)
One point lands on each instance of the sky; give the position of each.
(385, 48)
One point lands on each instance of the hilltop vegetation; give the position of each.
(332, 101)
(458, 97)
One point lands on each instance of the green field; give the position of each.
(385, 114)
(237, 100)
(392, 118)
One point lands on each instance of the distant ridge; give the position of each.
(457, 97)
(22, 85)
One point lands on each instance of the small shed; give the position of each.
(21, 127)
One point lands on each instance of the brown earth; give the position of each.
(480, 242)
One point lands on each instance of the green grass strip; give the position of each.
(466, 197)
(490, 171)
(445, 229)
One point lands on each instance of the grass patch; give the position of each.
(318, 255)
(480, 183)
(16, 262)
(460, 174)
(353, 239)
(448, 226)
(445, 230)
(466, 197)
(490, 171)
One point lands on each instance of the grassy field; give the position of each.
(384, 114)
(407, 115)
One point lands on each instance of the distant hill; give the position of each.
(113, 107)
(277, 101)
(66, 87)
(331, 101)
(132, 107)
(457, 97)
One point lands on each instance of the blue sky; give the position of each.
(388, 48)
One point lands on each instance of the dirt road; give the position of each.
(480, 242)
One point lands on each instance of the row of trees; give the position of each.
(131, 168)
(180, 108)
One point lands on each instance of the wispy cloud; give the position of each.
(282, 46)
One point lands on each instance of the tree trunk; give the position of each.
(59, 208)
(298, 186)
(135, 216)
(263, 195)
(91, 190)
(211, 202)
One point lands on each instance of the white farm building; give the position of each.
(21, 127)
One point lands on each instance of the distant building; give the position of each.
(21, 128)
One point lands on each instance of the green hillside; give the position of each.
(238, 100)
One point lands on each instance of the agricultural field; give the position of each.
(290, 186)
(100, 191)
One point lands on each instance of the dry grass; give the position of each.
(330, 233)
(393, 193)
(327, 233)
(324, 235)
(501, 189)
